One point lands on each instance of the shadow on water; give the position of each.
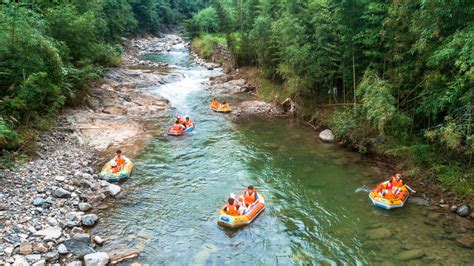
(317, 206)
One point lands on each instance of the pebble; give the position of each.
(463, 210)
(52, 255)
(38, 202)
(84, 206)
(60, 178)
(62, 193)
(40, 263)
(62, 249)
(98, 240)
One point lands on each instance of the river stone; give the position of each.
(98, 240)
(418, 201)
(52, 255)
(465, 241)
(50, 232)
(120, 255)
(378, 233)
(411, 254)
(114, 190)
(8, 251)
(96, 259)
(464, 210)
(83, 206)
(20, 261)
(62, 249)
(62, 193)
(327, 135)
(77, 247)
(60, 178)
(89, 219)
(26, 248)
(33, 257)
(74, 263)
(38, 247)
(38, 202)
(40, 263)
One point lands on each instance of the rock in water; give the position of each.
(114, 190)
(327, 135)
(465, 241)
(96, 259)
(84, 206)
(78, 247)
(62, 193)
(378, 233)
(89, 219)
(464, 210)
(411, 254)
(98, 240)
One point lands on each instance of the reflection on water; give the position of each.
(317, 206)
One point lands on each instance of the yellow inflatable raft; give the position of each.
(392, 202)
(124, 173)
(241, 220)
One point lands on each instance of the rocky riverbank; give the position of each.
(48, 204)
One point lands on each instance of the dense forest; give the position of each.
(51, 50)
(400, 72)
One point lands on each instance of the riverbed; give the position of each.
(318, 211)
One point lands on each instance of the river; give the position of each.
(318, 211)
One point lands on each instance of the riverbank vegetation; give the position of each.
(398, 74)
(50, 51)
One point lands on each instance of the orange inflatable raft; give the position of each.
(241, 220)
(392, 202)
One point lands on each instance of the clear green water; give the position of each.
(317, 209)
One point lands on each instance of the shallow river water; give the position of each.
(318, 211)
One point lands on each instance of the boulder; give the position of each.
(83, 206)
(464, 210)
(96, 259)
(378, 233)
(89, 219)
(74, 263)
(411, 254)
(113, 190)
(327, 135)
(40, 248)
(50, 232)
(62, 193)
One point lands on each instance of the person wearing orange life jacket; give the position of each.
(224, 106)
(178, 126)
(187, 122)
(119, 159)
(231, 208)
(397, 182)
(250, 196)
(180, 120)
(215, 104)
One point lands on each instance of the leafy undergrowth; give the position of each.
(205, 43)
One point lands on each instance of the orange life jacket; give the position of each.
(120, 161)
(250, 196)
(214, 104)
(115, 169)
(187, 123)
(232, 210)
(390, 195)
(177, 127)
(396, 183)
